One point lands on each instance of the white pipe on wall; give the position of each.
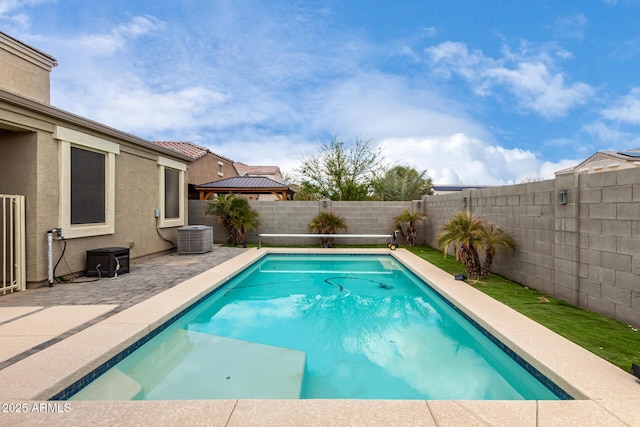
(50, 256)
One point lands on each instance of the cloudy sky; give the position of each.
(474, 91)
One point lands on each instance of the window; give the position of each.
(87, 184)
(220, 168)
(171, 192)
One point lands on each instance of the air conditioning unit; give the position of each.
(195, 239)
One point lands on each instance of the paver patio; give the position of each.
(148, 276)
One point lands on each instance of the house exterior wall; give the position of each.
(602, 162)
(23, 71)
(18, 161)
(205, 170)
(30, 165)
(137, 196)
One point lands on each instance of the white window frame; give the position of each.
(71, 138)
(163, 163)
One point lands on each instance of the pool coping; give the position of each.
(603, 391)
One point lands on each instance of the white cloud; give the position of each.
(604, 132)
(539, 90)
(627, 109)
(12, 19)
(572, 27)
(143, 110)
(8, 6)
(265, 93)
(461, 160)
(529, 76)
(548, 169)
(118, 38)
(375, 105)
(429, 32)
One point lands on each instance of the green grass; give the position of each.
(608, 338)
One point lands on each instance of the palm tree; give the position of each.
(402, 183)
(464, 232)
(327, 223)
(245, 221)
(234, 214)
(495, 240)
(406, 223)
(471, 236)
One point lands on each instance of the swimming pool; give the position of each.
(321, 326)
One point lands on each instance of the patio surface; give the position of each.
(148, 276)
(42, 352)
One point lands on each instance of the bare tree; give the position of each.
(341, 171)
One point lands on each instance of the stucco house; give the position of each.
(99, 186)
(205, 166)
(271, 172)
(211, 174)
(603, 161)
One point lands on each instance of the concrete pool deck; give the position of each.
(605, 395)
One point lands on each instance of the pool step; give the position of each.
(246, 370)
(211, 366)
(112, 385)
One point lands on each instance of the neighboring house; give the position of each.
(102, 187)
(206, 166)
(606, 161)
(272, 172)
(210, 173)
(251, 187)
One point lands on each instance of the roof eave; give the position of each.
(59, 114)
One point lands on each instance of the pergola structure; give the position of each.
(249, 185)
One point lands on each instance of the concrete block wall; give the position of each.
(608, 263)
(586, 252)
(293, 217)
(526, 211)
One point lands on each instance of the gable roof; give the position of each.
(244, 169)
(190, 149)
(246, 185)
(245, 182)
(628, 156)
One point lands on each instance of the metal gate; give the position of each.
(12, 244)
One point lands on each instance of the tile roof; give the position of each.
(245, 182)
(256, 170)
(190, 149)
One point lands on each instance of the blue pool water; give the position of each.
(368, 327)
